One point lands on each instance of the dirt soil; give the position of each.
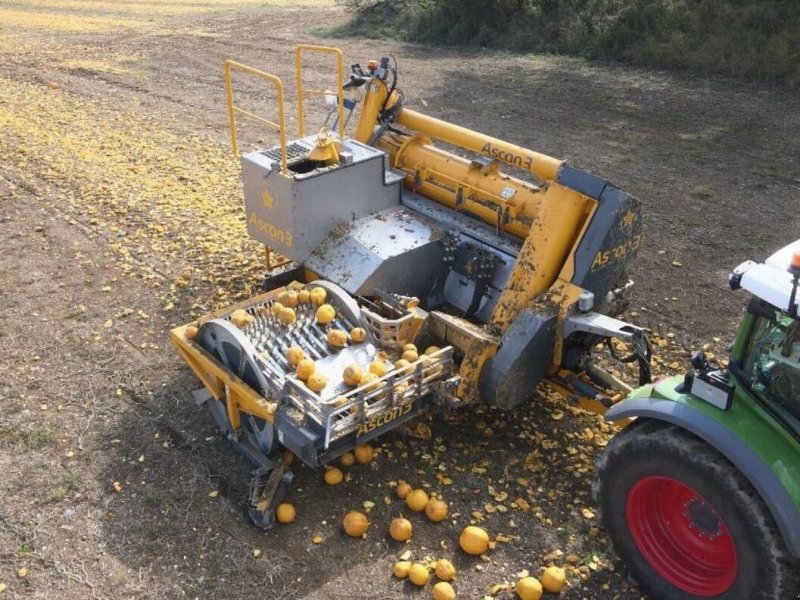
(122, 217)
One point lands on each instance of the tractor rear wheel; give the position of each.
(686, 522)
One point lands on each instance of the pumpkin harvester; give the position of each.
(404, 277)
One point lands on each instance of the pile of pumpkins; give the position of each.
(473, 540)
(353, 375)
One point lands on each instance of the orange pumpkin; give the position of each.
(529, 588)
(443, 591)
(554, 579)
(285, 513)
(474, 540)
(417, 500)
(445, 570)
(400, 529)
(418, 574)
(333, 476)
(401, 569)
(403, 489)
(355, 524)
(436, 510)
(364, 454)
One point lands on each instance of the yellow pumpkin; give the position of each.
(529, 588)
(378, 367)
(400, 529)
(401, 569)
(403, 366)
(287, 316)
(352, 374)
(410, 347)
(294, 355)
(403, 489)
(364, 454)
(445, 570)
(316, 382)
(337, 338)
(554, 579)
(431, 349)
(305, 368)
(333, 476)
(370, 381)
(418, 574)
(289, 299)
(410, 355)
(325, 314)
(436, 510)
(276, 308)
(443, 591)
(318, 295)
(285, 513)
(241, 318)
(347, 459)
(355, 524)
(358, 335)
(474, 540)
(417, 500)
(303, 297)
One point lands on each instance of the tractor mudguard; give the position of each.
(750, 463)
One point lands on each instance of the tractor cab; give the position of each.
(766, 354)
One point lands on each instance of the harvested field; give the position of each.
(121, 216)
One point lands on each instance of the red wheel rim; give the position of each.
(681, 535)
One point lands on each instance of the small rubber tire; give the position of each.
(651, 450)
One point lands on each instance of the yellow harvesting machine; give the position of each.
(412, 264)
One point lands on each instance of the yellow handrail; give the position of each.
(302, 93)
(233, 109)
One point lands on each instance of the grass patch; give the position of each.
(31, 439)
(755, 39)
(703, 191)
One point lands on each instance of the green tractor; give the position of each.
(700, 494)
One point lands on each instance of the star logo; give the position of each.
(266, 199)
(628, 219)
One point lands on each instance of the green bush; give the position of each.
(756, 39)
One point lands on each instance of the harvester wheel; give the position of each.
(686, 522)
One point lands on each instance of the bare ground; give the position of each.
(121, 217)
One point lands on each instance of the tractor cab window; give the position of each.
(772, 360)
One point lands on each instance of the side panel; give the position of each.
(611, 239)
(745, 435)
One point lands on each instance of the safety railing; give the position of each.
(233, 110)
(302, 92)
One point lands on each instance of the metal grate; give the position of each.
(339, 409)
(293, 151)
